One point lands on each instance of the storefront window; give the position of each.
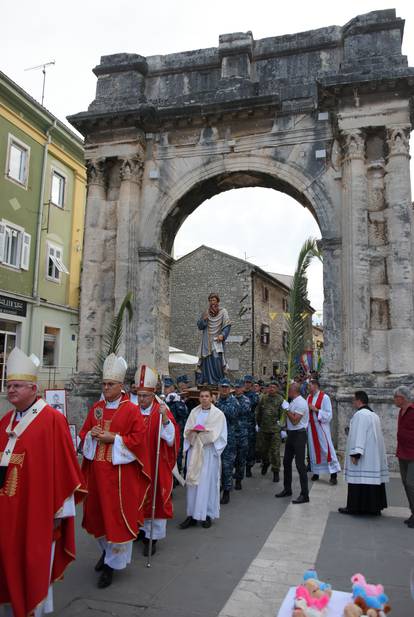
(7, 342)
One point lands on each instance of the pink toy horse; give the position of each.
(371, 590)
(318, 603)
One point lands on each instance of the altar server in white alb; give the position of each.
(366, 467)
(205, 437)
(322, 453)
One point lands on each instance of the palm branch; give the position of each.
(112, 338)
(298, 304)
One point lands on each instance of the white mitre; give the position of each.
(114, 368)
(21, 367)
(146, 379)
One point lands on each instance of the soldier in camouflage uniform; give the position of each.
(254, 399)
(268, 413)
(179, 410)
(242, 437)
(230, 407)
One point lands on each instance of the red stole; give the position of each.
(116, 493)
(312, 423)
(42, 474)
(168, 459)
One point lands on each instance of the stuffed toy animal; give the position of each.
(368, 600)
(317, 588)
(312, 596)
(308, 606)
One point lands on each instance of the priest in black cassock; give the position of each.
(366, 467)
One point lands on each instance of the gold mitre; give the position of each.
(146, 379)
(21, 367)
(114, 368)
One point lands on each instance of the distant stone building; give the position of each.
(256, 301)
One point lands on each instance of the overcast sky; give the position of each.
(76, 34)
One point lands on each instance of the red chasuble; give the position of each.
(116, 493)
(168, 459)
(42, 474)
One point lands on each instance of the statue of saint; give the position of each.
(215, 326)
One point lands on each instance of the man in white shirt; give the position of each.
(297, 423)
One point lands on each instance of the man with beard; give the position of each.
(215, 326)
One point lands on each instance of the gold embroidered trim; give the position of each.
(12, 482)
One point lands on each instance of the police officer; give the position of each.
(179, 411)
(242, 437)
(228, 404)
(268, 413)
(254, 399)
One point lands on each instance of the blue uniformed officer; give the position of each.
(228, 404)
(242, 437)
(254, 399)
(179, 411)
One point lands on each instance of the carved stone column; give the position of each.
(91, 309)
(400, 258)
(126, 265)
(355, 271)
(332, 307)
(154, 307)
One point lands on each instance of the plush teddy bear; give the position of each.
(312, 596)
(308, 606)
(317, 588)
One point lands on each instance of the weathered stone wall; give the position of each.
(240, 286)
(324, 116)
(193, 277)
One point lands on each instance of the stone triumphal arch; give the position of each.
(324, 116)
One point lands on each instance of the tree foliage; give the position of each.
(298, 305)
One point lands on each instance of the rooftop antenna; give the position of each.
(43, 67)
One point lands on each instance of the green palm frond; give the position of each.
(299, 304)
(113, 335)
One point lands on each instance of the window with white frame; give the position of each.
(14, 246)
(58, 188)
(17, 161)
(54, 265)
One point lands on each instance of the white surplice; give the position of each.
(203, 499)
(365, 438)
(322, 423)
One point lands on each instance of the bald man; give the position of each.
(297, 425)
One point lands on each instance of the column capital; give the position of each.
(132, 169)
(353, 144)
(96, 171)
(398, 140)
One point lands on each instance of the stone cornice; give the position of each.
(151, 255)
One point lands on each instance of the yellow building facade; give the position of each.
(42, 209)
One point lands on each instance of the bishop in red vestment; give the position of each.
(116, 470)
(146, 382)
(40, 482)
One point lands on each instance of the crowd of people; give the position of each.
(137, 443)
